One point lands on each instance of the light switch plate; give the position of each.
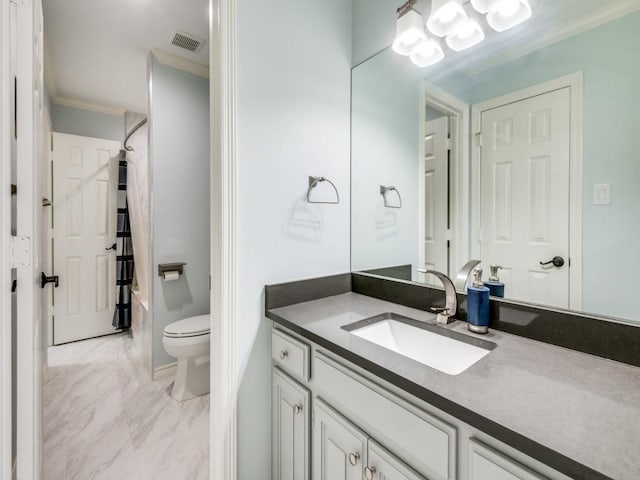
(602, 194)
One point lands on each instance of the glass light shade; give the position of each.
(466, 36)
(484, 6)
(428, 52)
(446, 16)
(509, 14)
(409, 33)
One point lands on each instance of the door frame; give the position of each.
(458, 113)
(224, 323)
(575, 83)
(6, 460)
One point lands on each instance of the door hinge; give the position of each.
(479, 139)
(20, 252)
(448, 144)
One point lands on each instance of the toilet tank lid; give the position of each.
(189, 326)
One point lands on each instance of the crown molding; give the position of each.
(181, 63)
(603, 15)
(91, 107)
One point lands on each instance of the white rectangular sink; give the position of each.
(447, 351)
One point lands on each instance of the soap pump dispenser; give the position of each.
(495, 286)
(478, 304)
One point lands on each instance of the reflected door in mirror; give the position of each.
(524, 191)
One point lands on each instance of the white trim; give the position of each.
(181, 63)
(575, 82)
(543, 36)
(458, 113)
(29, 327)
(223, 445)
(6, 459)
(91, 107)
(164, 371)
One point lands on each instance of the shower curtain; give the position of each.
(124, 253)
(138, 199)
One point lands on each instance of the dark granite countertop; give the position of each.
(575, 412)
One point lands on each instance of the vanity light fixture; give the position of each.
(486, 6)
(446, 16)
(468, 34)
(508, 14)
(409, 29)
(428, 52)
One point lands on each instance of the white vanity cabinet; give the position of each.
(488, 464)
(332, 420)
(382, 465)
(339, 447)
(341, 451)
(290, 405)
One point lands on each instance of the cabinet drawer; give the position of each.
(420, 439)
(290, 354)
(488, 464)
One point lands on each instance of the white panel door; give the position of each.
(290, 429)
(85, 188)
(382, 465)
(339, 448)
(524, 211)
(434, 188)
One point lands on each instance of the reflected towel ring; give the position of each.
(313, 183)
(391, 188)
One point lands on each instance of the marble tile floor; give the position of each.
(104, 419)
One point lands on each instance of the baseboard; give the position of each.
(164, 370)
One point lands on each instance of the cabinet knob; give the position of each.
(353, 458)
(369, 472)
(297, 409)
(283, 354)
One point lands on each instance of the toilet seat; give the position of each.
(189, 327)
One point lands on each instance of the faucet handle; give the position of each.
(443, 315)
(444, 310)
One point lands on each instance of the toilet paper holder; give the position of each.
(170, 267)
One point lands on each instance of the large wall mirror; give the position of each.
(522, 152)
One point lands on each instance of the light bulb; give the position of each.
(427, 53)
(446, 16)
(409, 32)
(466, 30)
(508, 14)
(508, 8)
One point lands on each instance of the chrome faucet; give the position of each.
(465, 272)
(444, 314)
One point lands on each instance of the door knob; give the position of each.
(353, 458)
(112, 247)
(44, 280)
(369, 472)
(283, 354)
(297, 409)
(557, 262)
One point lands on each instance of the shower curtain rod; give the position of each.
(134, 130)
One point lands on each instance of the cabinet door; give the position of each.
(290, 429)
(339, 448)
(488, 464)
(382, 465)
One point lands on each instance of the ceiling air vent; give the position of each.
(187, 41)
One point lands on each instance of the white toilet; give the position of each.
(188, 341)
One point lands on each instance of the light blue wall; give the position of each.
(384, 142)
(179, 171)
(293, 100)
(76, 121)
(608, 57)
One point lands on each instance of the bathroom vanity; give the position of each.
(345, 407)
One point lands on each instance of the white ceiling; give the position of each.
(96, 50)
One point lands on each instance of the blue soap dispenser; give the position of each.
(478, 304)
(495, 286)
